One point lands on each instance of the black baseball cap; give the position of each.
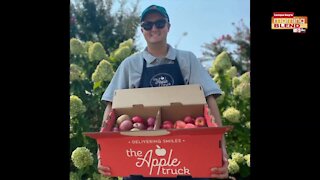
(154, 8)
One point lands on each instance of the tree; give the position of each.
(99, 42)
(92, 20)
(240, 57)
(231, 71)
(91, 70)
(234, 106)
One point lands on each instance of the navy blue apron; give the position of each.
(157, 76)
(161, 75)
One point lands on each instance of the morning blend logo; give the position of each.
(287, 20)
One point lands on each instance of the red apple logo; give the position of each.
(200, 122)
(160, 151)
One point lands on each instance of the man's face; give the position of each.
(155, 35)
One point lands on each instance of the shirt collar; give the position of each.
(172, 53)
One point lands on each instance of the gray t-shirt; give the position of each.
(129, 72)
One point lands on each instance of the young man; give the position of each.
(161, 65)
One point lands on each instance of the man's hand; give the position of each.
(104, 170)
(221, 173)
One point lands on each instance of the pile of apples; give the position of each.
(136, 123)
(187, 122)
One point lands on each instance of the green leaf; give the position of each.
(244, 171)
(96, 85)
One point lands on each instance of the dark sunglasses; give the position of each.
(159, 24)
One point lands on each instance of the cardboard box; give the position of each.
(161, 152)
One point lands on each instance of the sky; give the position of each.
(202, 20)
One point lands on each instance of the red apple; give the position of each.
(137, 119)
(123, 117)
(179, 124)
(168, 124)
(200, 122)
(115, 129)
(190, 125)
(188, 119)
(151, 121)
(125, 125)
(139, 125)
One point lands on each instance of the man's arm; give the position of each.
(222, 172)
(104, 170)
(214, 109)
(106, 113)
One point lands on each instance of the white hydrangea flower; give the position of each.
(232, 114)
(235, 82)
(76, 73)
(76, 106)
(242, 90)
(128, 43)
(121, 53)
(232, 72)
(97, 52)
(76, 47)
(103, 72)
(245, 77)
(247, 124)
(216, 77)
(211, 71)
(71, 135)
(222, 62)
(87, 45)
(233, 167)
(220, 99)
(82, 157)
(219, 82)
(237, 157)
(247, 158)
(73, 176)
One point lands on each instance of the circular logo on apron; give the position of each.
(161, 79)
